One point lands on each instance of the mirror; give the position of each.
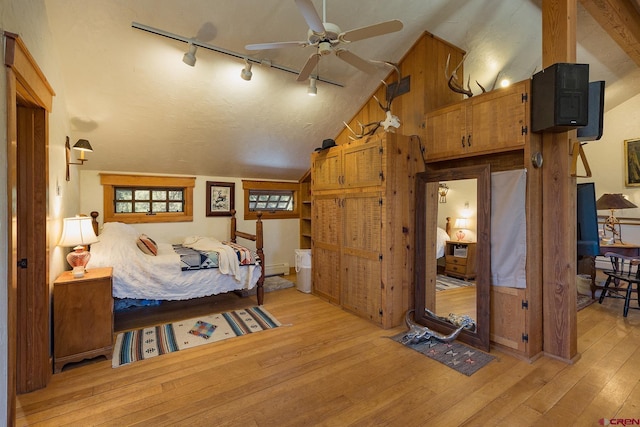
(430, 262)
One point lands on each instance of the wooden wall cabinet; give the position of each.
(82, 317)
(492, 122)
(362, 225)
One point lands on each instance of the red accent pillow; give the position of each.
(147, 245)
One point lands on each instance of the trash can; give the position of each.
(303, 270)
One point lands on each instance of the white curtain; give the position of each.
(508, 228)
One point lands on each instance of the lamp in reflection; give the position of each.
(612, 224)
(443, 189)
(461, 224)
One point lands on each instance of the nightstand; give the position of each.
(460, 259)
(82, 317)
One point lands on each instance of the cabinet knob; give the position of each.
(462, 141)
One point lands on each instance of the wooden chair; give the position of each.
(622, 280)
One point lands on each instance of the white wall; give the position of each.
(281, 236)
(606, 159)
(28, 19)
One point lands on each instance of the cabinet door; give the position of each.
(363, 165)
(360, 264)
(508, 317)
(446, 132)
(326, 234)
(326, 172)
(498, 119)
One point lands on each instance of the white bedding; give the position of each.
(140, 276)
(442, 238)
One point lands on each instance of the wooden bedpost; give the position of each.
(258, 238)
(94, 221)
(232, 235)
(259, 250)
(448, 226)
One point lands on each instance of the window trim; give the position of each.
(111, 181)
(293, 186)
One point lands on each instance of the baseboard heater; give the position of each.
(276, 269)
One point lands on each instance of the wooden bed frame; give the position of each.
(235, 233)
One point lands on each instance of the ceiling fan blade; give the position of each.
(311, 16)
(308, 67)
(274, 45)
(353, 59)
(371, 31)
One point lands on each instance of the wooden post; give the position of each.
(559, 197)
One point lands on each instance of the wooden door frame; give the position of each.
(28, 87)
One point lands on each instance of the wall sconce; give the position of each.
(443, 189)
(461, 224)
(83, 146)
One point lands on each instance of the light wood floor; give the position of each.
(328, 367)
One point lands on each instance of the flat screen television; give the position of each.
(587, 220)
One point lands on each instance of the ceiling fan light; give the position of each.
(313, 89)
(246, 73)
(189, 58)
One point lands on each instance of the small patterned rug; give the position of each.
(462, 358)
(444, 283)
(132, 346)
(584, 301)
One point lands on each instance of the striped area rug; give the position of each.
(444, 283)
(132, 346)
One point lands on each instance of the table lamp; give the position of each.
(78, 232)
(461, 224)
(612, 224)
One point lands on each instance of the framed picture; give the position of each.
(220, 198)
(632, 162)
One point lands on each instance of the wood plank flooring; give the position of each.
(329, 367)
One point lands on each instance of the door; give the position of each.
(361, 264)
(326, 224)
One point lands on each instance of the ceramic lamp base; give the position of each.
(78, 259)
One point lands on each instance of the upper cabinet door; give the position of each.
(363, 164)
(326, 173)
(499, 119)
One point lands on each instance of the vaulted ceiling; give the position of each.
(144, 110)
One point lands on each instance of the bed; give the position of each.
(442, 236)
(139, 274)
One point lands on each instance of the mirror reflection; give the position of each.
(455, 290)
(453, 256)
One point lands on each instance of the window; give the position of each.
(140, 199)
(275, 199)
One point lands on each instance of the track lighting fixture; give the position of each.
(246, 71)
(313, 90)
(189, 58)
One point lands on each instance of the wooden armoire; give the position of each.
(362, 217)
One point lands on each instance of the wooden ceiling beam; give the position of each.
(621, 20)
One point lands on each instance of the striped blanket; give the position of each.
(193, 259)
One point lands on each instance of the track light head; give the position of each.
(189, 58)
(246, 73)
(313, 90)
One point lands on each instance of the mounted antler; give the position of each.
(452, 79)
(390, 120)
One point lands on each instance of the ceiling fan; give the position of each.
(327, 38)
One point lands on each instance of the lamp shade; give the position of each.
(82, 145)
(461, 223)
(77, 231)
(613, 201)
